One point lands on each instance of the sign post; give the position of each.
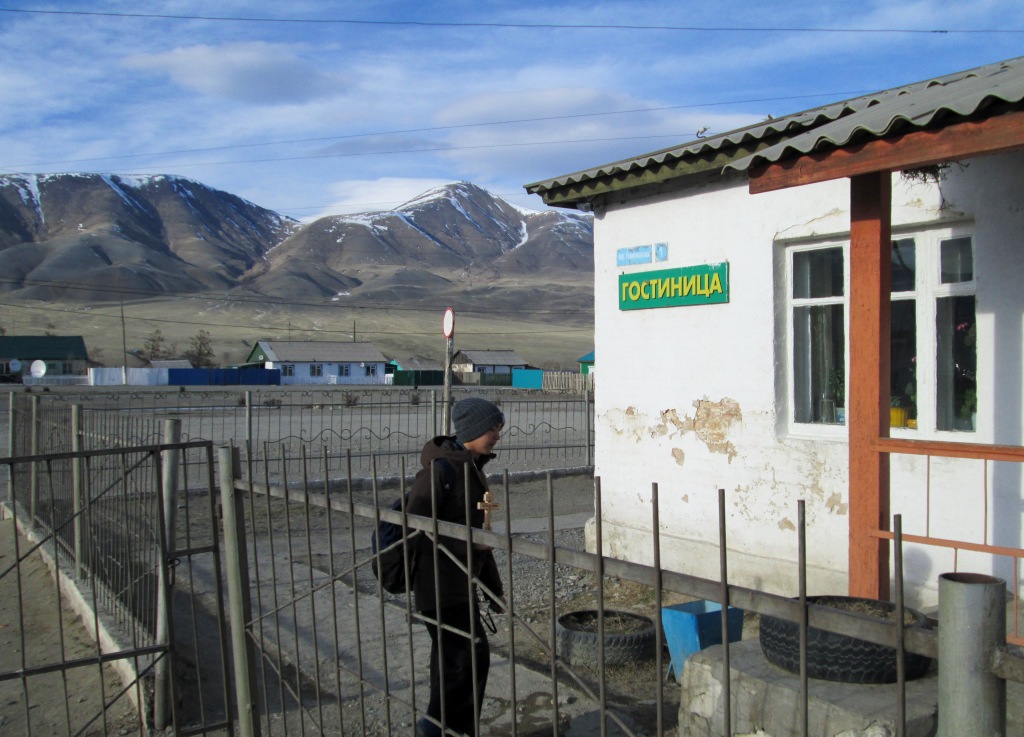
(449, 336)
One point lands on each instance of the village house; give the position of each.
(487, 362)
(58, 356)
(321, 362)
(833, 298)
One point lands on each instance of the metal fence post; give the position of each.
(248, 418)
(33, 489)
(77, 485)
(169, 486)
(586, 423)
(236, 564)
(972, 627)
(10, 444)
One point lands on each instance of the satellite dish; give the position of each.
(37, 369)
(15, 365)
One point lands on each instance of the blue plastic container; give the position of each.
(694, 626)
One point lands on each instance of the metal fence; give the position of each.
(318, 647)
(545, 430)
(329, 651)
(104, 521)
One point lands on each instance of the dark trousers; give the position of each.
(453, 656)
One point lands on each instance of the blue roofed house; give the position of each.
(586, 363)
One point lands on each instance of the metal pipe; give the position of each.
(237, 568)
(972, 627)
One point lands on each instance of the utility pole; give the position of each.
(124, 343)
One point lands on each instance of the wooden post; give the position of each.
(868, 418)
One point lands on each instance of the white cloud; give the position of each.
(254, 72)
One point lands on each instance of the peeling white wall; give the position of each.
(692, 398)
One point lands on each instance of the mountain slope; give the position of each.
(95, 237)
(82, 236)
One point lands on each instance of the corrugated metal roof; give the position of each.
(43, 347)
(321, 352)
(493, 358)
(915, 105)
(937, 101)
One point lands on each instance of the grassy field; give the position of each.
(547, 329)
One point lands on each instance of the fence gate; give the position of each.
(108, 566)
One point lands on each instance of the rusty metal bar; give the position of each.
(471, 596)
(901, 654)
(802, 592)
(552, 633)
(334, 600)
(599, 544)
(355, 596)
(380, 601)
(510, 604)
(406, 562)
(723, 562)
(659, 635)
(312, 587)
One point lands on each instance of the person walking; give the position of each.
(444, 596)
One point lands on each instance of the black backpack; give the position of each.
(387, 538)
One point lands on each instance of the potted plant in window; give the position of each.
(897, 412)
(837, 389)
(969, 408)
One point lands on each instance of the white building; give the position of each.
(487, 361)
(322, 362)
(727, 263)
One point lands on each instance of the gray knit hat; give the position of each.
(473, 417)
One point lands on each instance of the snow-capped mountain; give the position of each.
(92, 236)
(458, 232)
(89, 236)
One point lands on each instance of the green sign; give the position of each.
(689, 285)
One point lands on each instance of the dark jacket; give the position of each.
(450, 484)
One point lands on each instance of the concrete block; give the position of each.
(766, 700)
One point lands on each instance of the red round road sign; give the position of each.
(449, 322)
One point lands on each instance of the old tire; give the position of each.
(628, 638)
(835, 657)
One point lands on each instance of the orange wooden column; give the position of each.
(868, 406)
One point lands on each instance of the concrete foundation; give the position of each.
(766, 701)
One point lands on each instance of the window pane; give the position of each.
(904, 266)
(818, 363)
(957, 260)
(956, 363)
(903, 367)
(818, 273)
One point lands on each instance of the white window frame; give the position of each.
(928, 290)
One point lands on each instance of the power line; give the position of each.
(439, 128)
(534, 26)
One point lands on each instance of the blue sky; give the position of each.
(282, 104)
